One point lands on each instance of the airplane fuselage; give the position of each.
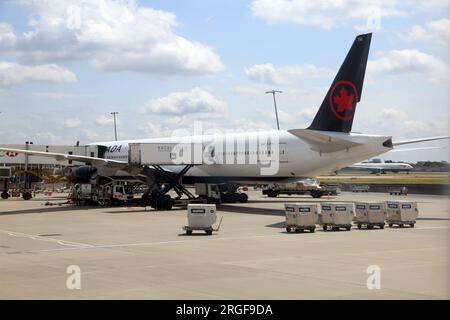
(296, 158)
(382, 167)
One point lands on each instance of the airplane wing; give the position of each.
(63, 157)
(399, 143)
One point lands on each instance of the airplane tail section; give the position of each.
(338, 108)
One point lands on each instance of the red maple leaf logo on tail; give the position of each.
(343, 100)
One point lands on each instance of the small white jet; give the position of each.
(383, 167)
(326, 146)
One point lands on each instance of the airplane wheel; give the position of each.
(316, 194)
(165, 203)
(272, 193)
(26, 196)
(147, 200)
(243, 197)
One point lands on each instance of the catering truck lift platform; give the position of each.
(159, 161)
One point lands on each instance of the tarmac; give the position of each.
(138, 253)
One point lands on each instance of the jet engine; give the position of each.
(84, 174)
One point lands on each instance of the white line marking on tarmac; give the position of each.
(79, 246)
(420, 228)
(47, 239)
(123, 245)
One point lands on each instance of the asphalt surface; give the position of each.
(134, 253)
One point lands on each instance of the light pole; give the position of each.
(115, 127)
(273, 92)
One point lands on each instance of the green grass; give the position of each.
(400, 178)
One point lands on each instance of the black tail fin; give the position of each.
(338, 107)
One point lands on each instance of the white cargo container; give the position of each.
(301, 216)
(370, 214)
(401, 213)
(336, 215)
(200, 217)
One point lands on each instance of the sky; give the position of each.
(164, 64)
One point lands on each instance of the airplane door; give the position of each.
(283, 152)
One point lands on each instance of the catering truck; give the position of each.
(115, 192)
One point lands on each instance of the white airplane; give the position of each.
(383, 167)
(324, 147)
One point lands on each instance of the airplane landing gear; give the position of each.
(158, 198)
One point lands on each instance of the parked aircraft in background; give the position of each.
(382, 167)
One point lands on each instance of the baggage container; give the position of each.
(336, 215)
(301, 216)
(401, 213)
(200, 217)
(370, 214)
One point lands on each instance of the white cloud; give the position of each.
(7, 36)
(154, 130)
(71, 122)
(437, 31)
(250, 125)
(392, 114)
(285, 118)
(397, 62)
(196, 101)
(290, 74)
(53, 95)
(432, 5)
(306, 116)
(111, 35)
(12, 73)
(104, 120)
(324, 14)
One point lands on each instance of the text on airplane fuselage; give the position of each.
(114, 148)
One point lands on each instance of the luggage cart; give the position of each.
(207, 230)
(201, 217)
(401, 213)
(370, 215)
(336, 215)
(301, 217)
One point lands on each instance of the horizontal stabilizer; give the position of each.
(323, 141)
(414, 149)
(399, 143)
